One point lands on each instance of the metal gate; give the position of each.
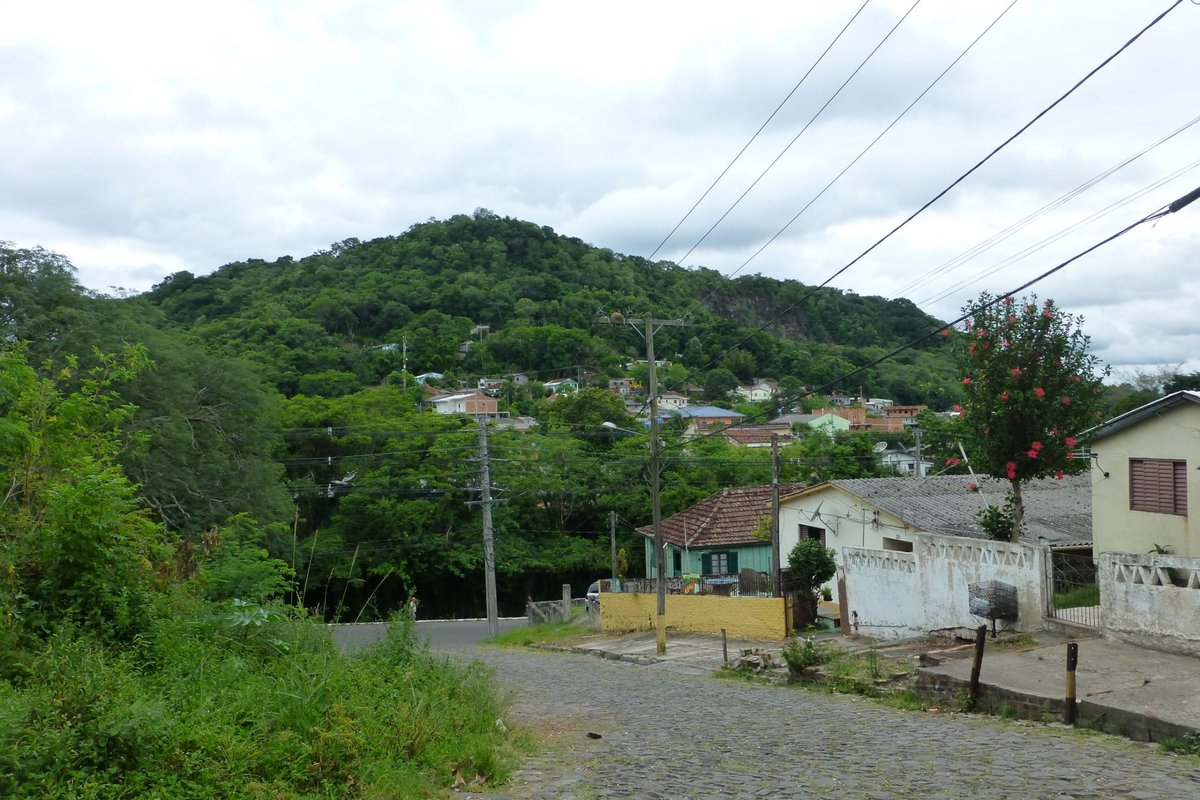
(1074, 594)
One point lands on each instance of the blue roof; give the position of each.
(705, 411)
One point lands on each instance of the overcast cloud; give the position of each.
(140, 139)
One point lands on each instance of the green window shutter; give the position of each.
(706, 563)
(733, 565)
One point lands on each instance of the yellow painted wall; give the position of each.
(741, 617)
(1117, 529)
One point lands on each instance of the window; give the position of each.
(812, 532)
(1158, 485)
(678, 563)
(719, 563)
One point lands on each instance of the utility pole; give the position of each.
(612, 538)
(655, 470)
(917, 466)
(775, 555)
(489, 551)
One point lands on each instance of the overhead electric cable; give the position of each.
(1058, 202)
(746, 146)
(1171, 208)
(962, 177)
(795, 138)
(874, 141)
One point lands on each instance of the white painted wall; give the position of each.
(898, 595)
(1140, 604)
(847, 522)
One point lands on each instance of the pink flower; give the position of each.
(986, 345)
(1005, 344)
(1037, 445)
(1070, 456)
(971, 348)
(982, 332)
(1008, 301)
(1039, 392)
(952, 462)
(1066, 401)
(1012, 470)
(1047, 315)
(956, 408)
(945, 331)
(1031, 453)
(1012, 318)
(972, 487)
(966, 381)
(1004, 397)
(1058, 475)
(1016, 370)
(1071, 441)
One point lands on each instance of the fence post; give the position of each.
(1072, 662)
(977, 665)
(566, 607)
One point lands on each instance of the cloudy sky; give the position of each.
(143, 138)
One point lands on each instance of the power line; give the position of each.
(964, 175)
(782, 103)
(808, 124)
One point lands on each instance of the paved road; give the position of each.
(442, 634)
(670, 735)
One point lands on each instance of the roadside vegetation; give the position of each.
(132, 666)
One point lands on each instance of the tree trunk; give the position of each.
(1018, 512)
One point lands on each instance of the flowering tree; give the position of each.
(1030, 387)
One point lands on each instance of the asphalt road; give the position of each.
(442, 634)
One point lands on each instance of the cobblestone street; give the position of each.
(669, 735)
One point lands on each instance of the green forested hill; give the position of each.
(312, 323)
(271, 406)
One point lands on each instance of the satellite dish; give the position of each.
(880, 447)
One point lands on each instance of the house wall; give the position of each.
(740, 617)
(1116, 529)
(847, 522)
(1141, 604)
(756, 557)
(905, 594)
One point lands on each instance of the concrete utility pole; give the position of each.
(917, 466)
(489, 551)
(655, 472)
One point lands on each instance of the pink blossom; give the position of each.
(966, 381)
(1005, 344)
(952, 462)
(1047, 315)
(986, 345)
(1012, 470)
(1031, 453)
(1004, 397)
(1039, 392)
(945, 331)
(1012, 318)
(972, 487)
(1016, 370)
(1058, 475)
(1066, 401)
(982, 332)
(1071, 441)
(956, 408)
(1037, 445)
(1070, 456)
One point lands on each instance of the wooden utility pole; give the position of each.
(655, 469)
(776, 566)
(612, 540)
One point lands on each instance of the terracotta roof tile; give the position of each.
(729, 517)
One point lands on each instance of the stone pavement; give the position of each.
(1131, 691)
(615, 729)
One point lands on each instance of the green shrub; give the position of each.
(192, 711)
(802, 654)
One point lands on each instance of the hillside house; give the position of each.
(562, 385)
(1145, 492)
(475, 404)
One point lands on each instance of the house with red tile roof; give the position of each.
(719, 536)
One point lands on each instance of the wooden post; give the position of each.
(566, 607)
(724, 647)
(977, 665)
(1072, 662)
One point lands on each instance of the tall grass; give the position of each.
(198, 708)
